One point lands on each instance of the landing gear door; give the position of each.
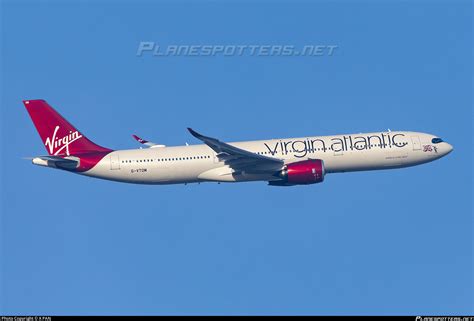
(114, 162)
(416, 142)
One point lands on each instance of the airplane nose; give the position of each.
(449, 148)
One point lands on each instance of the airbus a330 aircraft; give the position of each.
(280, 162)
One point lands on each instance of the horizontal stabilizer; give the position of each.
(57, 162)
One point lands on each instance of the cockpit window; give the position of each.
(436, 140)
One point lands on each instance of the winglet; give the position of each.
(145, 142)
(206, 139)
(194, 133)
(140, 140)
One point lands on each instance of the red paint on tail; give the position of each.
(58, 135)
(61, 138)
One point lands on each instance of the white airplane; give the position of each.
(280, 162)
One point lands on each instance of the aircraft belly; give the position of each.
(148, 173)
(365, 160)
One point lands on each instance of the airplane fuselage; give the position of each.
(340, 153)
(280, 162)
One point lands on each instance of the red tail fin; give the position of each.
(58, 135)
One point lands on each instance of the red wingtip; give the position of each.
(140, 140)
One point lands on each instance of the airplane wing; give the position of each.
(147, 143)
(240, 159)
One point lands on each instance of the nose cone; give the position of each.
(447, 148)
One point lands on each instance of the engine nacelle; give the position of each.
(305, 172)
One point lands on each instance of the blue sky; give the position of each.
(386, 242)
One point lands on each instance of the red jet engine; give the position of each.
(310, 171)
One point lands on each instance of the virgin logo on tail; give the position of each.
(55, 145)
